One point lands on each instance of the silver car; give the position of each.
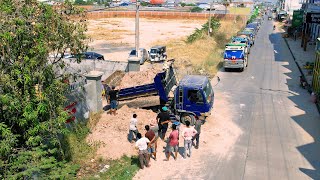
(142, 55)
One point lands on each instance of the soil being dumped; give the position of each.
(111, 132)
(139, 78)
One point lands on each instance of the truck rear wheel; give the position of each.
(188, 117)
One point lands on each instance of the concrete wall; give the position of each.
(78, 97)
(107, 67)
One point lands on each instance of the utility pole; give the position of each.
(137, 27)
(209, 28)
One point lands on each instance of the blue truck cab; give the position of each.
(192, 97)
(235, 57)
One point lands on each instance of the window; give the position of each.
(195, 96)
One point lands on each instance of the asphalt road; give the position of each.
(281, 126)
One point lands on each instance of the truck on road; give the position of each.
(192, 97)
(235, 57)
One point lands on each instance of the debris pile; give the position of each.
(138, 78)
(111, 132)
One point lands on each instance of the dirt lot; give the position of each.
(115, 37)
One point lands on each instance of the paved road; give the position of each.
(281, 126)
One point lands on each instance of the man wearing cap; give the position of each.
(163, 119)
(113, 96)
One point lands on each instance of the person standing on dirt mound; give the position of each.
(155, 128)
(163, 120)
(142, 145)
(151, 146)
(133, 130)
(113, 100)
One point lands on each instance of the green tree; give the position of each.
(196, 9)
(32, 91)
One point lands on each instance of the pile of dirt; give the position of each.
(138, 78)
(111, 132)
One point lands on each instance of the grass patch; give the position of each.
(239, 10)
(122, 169)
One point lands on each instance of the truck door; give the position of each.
(193, 101)
(179, 98)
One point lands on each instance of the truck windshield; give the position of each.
(208, 92)
(154, 51)
(236, 53)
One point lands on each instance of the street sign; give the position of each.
(297, 18)
(313, 18)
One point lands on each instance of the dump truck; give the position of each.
(188, 99)
(235, 57)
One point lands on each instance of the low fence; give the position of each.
(159, 14)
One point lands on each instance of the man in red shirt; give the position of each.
(173, 143)
(151, 146)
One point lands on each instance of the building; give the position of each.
(289, 6)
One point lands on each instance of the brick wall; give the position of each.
(157, 14)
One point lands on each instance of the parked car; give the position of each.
(89, 55)
(142, 55)
(124, 4)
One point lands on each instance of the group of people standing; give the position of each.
(157, 128)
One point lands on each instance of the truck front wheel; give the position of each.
(188, 117)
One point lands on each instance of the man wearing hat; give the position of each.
(163, 120)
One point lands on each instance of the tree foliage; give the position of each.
(32, 92)
(200, 33)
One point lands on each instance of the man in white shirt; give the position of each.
(188, 133)
(142, 145)
(133, 128)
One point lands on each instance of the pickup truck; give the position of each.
(235, 57)
(192, 97)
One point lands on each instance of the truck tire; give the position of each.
(188, 117)
(241, 69)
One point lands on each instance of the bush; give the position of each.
(143, 3)
(196, 9)
(199, 33)
(238, 18)
(221, 39)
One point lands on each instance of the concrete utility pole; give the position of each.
(209, 28)
(137, 27)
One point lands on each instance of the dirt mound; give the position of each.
(138, 78)
(111, 132)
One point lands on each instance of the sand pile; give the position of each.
(139, 78)
(111, 132)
